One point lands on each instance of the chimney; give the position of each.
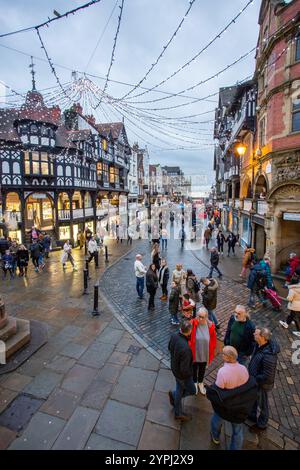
(56, 113)
(77, 108)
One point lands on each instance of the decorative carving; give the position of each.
(287, 168)
(290, 191)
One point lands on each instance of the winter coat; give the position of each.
(163, 275)
(220, 239)
(22, 257)
(179, 278)
(181, 357)
(207, 234)
(212, 339)
(190, 288)
(174, 301)
(294, 297)
(4, 245)
(248, 254)
(7, 261)
(293, 265)
(252, 279)
(36, 249)
(247, 342)
(66, 253)
(151, 280)
(266, 267)
(92, 246)
(214, 259)
(209, 295)
(47, 242)
(235, 404)
(231, 240)
(156, 260)
(263, 364)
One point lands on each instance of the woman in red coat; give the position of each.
(203, 345)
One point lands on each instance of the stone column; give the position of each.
(70, 195)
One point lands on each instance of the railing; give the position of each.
(63, 214)
(261, 207)
(89, 211)
(78, 213)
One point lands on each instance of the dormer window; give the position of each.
(33, 128)
(44, 131)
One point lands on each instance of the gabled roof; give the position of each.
(115, 128)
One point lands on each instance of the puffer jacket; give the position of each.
(151, 281)
(190, 288)
(233, 405)
(174, 301)
(209, 295)
(214, 259)
(263, 364)
(251, 284)
(294, 297)
(247, 341)
(247, 257)
(266, 267)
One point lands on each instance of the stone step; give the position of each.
(19, 340)
(9, 329)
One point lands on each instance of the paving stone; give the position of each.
(96, 355)
(125, 343)
(78, 379)
(134, 386)
(77, 430)
(6, 437)
(97, 394)
(33, 366)
(145, 360)
(161, 412)
(19, 413)
(40, 434)
(118, 357)
(16, 381)
(43, 384)
(274, 436)
(157, 437)
(6, 397)
(73, 350)
(165, 381)
(121, 422)
(61, 364)
(69, 331)
(115, 324)
(110, 335)
(97, 442)
(110, 372)
(61, 404)
(290, 444)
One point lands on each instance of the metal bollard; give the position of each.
(85, 282)
(87, 267)
(97, 259)
(96, 312)
(106, 254)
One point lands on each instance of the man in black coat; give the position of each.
(231, 240)
(182, 368)
(263, 368)
(214, 261)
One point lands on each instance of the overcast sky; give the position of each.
(145, 28)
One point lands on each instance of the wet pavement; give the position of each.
(100, 383)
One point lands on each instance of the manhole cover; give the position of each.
(20, 412)
(134, 349)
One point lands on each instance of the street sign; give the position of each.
(291, 216)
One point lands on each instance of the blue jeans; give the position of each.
(237, 436)
(263, 404)
(174, 317)
(212, 268)
(140, 282)
(164, 243)
(184, 388)
(212, 316)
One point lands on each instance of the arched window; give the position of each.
(5, 168)
(44, 131)
(59, 170)
(296, 115)
(68, 171)
(34, 128)
(16, 168)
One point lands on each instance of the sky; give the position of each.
(145, 28)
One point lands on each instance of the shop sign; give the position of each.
(39, 196)
(291, 216)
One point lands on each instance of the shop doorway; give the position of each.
(260, 241)
(39, 212)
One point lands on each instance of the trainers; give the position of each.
(171, 398)
(202, 388)
(283, 323)
(296, 333)
(214, 439)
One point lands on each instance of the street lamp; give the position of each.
(241, 149)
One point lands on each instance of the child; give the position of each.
(188, 306)
(174, 303)
(7, 264)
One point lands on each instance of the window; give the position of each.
(44, 131)
(102, 172)
(262, 132)
(297, 57)
(38, 163)
(114, 175)
(104, 145)
(296, 116)
(34, 128)
(5, 168)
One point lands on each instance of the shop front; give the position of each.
(12, 216)
(245, 230)
(39, 211)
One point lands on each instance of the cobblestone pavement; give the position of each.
(95, 385)
(118, 285)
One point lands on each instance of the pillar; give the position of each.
(70, 195)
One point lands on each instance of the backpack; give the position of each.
(261, 279)
(196, 285)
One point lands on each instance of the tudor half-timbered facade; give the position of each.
(58, 171)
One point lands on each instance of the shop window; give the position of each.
(64, 233)
(297, 56)
(296, 116)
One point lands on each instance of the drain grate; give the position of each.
(134, 349)
(18, 414)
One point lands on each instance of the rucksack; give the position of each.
(261, 279)
(196, 285)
